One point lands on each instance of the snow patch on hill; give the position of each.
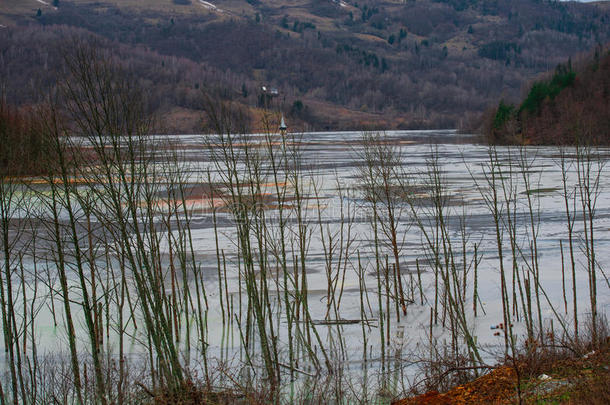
(209, 6)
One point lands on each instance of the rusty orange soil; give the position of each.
(496, 387)
(545, 378)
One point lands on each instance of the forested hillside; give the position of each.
(336, 64)
(571, 105)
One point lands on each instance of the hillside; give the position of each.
(567, 106)
(336, 64)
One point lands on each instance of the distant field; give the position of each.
(10, 10)
(29, 7)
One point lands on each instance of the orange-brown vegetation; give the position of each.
(24, 143)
